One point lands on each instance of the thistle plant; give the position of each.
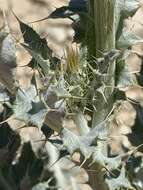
(91, 83)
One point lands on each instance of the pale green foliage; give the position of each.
(7, 59)
(126, 78)
(88, 84)
(29, 108)
(120, 182)
(128, 39)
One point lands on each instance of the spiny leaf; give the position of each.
(41, 186)
(127, 39)
(42, 63)
(33, 39)
(83, 143)
(54, 118)
(64, 177)
(100, 156)
(119, 182)
(4, 97)
(36, 44)
(60, 87)
(124, 9)
(129, 6)
(7, 59)
(81, 123)
(29, 108)
(72, 142)
(124, 77)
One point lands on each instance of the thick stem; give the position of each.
(101, 38)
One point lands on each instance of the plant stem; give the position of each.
(101, 38)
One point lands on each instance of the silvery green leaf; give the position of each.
(64, 176)
(60, 87)
(100, 131)
(28, 107)
(74, 143)
(138, 176)
(8, 50)
(33, 40)
(83, 143)
(44, 64)
(127, 39)
(120, 182)
(81, 123)
(41, 186)
(125, 77)
(124, 9)
(4, 97)
(131, 5)
(71, 140)
(100, 156)
(7, 59)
